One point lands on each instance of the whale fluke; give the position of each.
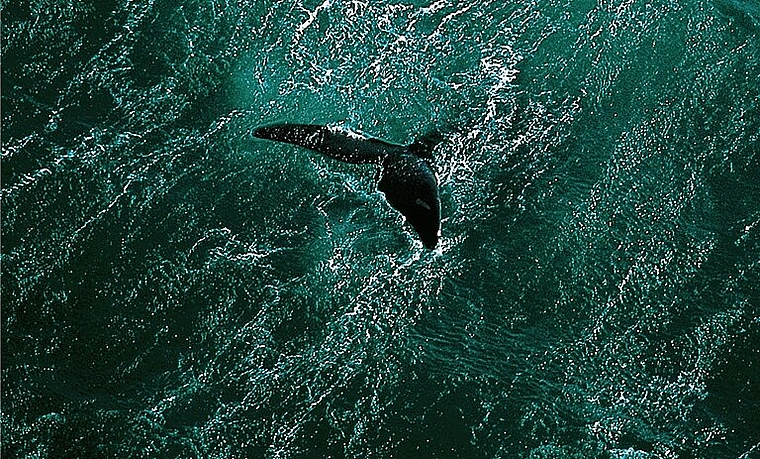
(345, 146)
(406, 177)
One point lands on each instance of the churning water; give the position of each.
(173, 287)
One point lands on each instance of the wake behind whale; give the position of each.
(406, 176)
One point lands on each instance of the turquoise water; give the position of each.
(173, 287)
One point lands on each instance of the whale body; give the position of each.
(406, 176)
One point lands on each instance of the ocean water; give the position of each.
(174, 288)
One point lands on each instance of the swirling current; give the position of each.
(174, 288)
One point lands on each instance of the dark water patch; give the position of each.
(444, 424)
(745, 13)
(23, 114)
(733, 387)
(42, 92)
(77, 433)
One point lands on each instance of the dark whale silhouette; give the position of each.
(406, 177)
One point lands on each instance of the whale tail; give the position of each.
(410, 187)
(344, 146)
(406, 177)
(424, 145)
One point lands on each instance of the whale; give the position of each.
(405, 177)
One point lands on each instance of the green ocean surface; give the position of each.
(174, 288)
